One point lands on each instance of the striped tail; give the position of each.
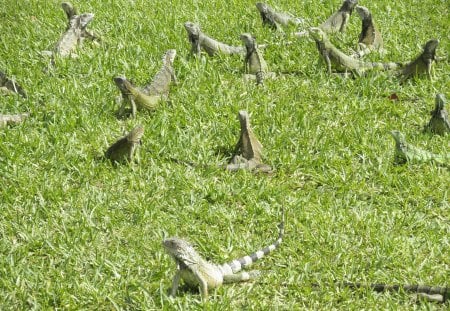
(238, 264)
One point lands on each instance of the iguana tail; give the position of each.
(385, 66)
(238, 264)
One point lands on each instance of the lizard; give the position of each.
(248, 150)
(439, 122)
(136, 98)
(71, 12)
(196, 271)
(9, 87)
(124, 148)
(338, 21)
(342, 62)
(370, 38)
(199, 41)
(161, 81)
(405, 152)
(431, 293)
(422, 63)
(6, 119)
(254, 63)
(274, 19)
(72, 37)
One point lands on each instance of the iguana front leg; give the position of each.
(133, 107)
(429, 63)
(175, 283)
(345, 19)
(327, 59)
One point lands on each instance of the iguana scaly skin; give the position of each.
(274, 19)
(134, 97)
(340, 61)
(8, 119)
(337, 22)
(370, 38)
(248, 150)
(431, 293)
(123, 149)
(200, 41)
(73, 35)
(71, 12)
(160, 84)
(196, 271)
(254, 63)
(9, 87)
(405, 152)
(439, 122)
(422, 64)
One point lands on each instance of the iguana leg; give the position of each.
(175, 283)
(429, 68)
(328, 61)
(120, 101)
(203, 288)
(344, 22)
(133, 107)
(241, 277)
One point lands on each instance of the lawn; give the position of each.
(79, 233)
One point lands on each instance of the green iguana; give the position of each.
(136, 98)
(124, 148)
(200, 41)
(422, 64)
(337, 22)
(71, 12)
(196, 271)
(430, 293)
(405, 152)
(8, 119)
(439, 122)
(340, 61)
(10, 87)
(160, 84)
(73, 35)
(370, 38)
(254, 63)
(274, 19)
(248, 150)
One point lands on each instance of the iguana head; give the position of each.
(348, 5)
(399, 137)
(192, 28)
(169, 56)
(440, 102)
(69, 9)
(122, 83)
(248, 40)
(363, 12)
(431, 46)
(244, 119)
(136, 134)
(262, 7)
(180, 250)
(317, 34)
(85, 19)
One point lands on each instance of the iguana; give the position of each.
(124, 148)
(73, 35)
(71, 12)
(254, 63)
(337, 22)
(248, 150)
(196, 271)
(431, 293)
(160, 84)
(200, 41)
(274, 19)
(439, 122)
(136, 98)
(422, 64)
(340, 61)
(9, 87)
(405, 152)
(370, 38)
(6, 119)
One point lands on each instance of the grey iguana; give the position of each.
(439, 122)
(124, 148)
(405, 152)
(275, 19)
(338, 21)
(196, 271)
(248, 150)
(200, 41)
(134, 97)
(9, 86)
(8, 119)
(254, 63)
(370, 38)
(71, 12)
(160, 84)
(422, 63)
(430, 293)
(341, 62)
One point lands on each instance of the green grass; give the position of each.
(77, 233)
